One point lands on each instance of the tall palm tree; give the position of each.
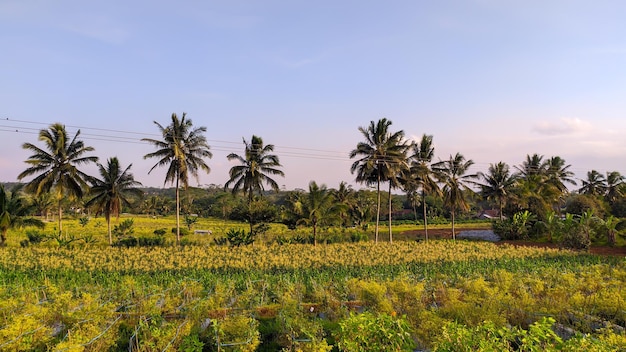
(594, 185)
(456, 183)
(379, 156)
(56, 166)
(111, 192)
(497, 184)
(318, 207)
(182, 149)
(423, 174)
(14, 211)
(257, 165)
(614, 185)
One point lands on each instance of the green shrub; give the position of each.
(183, 231)
(369, 332)
(238, 237)
(358, 236)
(35, 237)
(160, 232)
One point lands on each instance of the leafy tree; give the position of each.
(13, 213)
(378, 158)
(318, 208)
(111, 192)
(498, 184)
(594, 185)
(182, 149)
(257, 165)
(456, 183)
(56, 166)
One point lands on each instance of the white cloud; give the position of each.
(565, 126)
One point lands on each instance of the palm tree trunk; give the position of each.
(377, 208)
(425, 217)
(315, 234)
(177, 213)
(108, 218)
(390, 233)
(60, 216)
(453, 233)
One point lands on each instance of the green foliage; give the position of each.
(160, 232)
(35, 236)
(540, 336)
(83, 221)
(238, 237)
(369, 332)
(358, 236)
(516, 228)
(183, 231)
(124, 228)
(190, 221)
(237, 333)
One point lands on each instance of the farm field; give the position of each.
(438, 295)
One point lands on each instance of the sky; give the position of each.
(493, 80)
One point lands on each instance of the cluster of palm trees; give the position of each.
(538, 185)
(182, 150)
(386, 156)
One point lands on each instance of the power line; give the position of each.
(125, 136)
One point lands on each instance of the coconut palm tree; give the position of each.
(456, 183)
(14, 211)
(378, 157)
(256, 166)
(43, 203)
(318, 207)
(345, 195)
(56, 166)
(614, 186)
(421, 171)
(182, 149)
(538, 189)
(558, 174)
(594, 185)
(498, 183)
(111, 192)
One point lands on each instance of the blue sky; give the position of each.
(494, 80)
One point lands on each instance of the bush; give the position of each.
(369, 332)
(183, 231)
(519, 227)
(358, 236)
(160, 232)
(124, 229)
(238, 237)
(35, 237)
(142, 241)
(575, 238)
